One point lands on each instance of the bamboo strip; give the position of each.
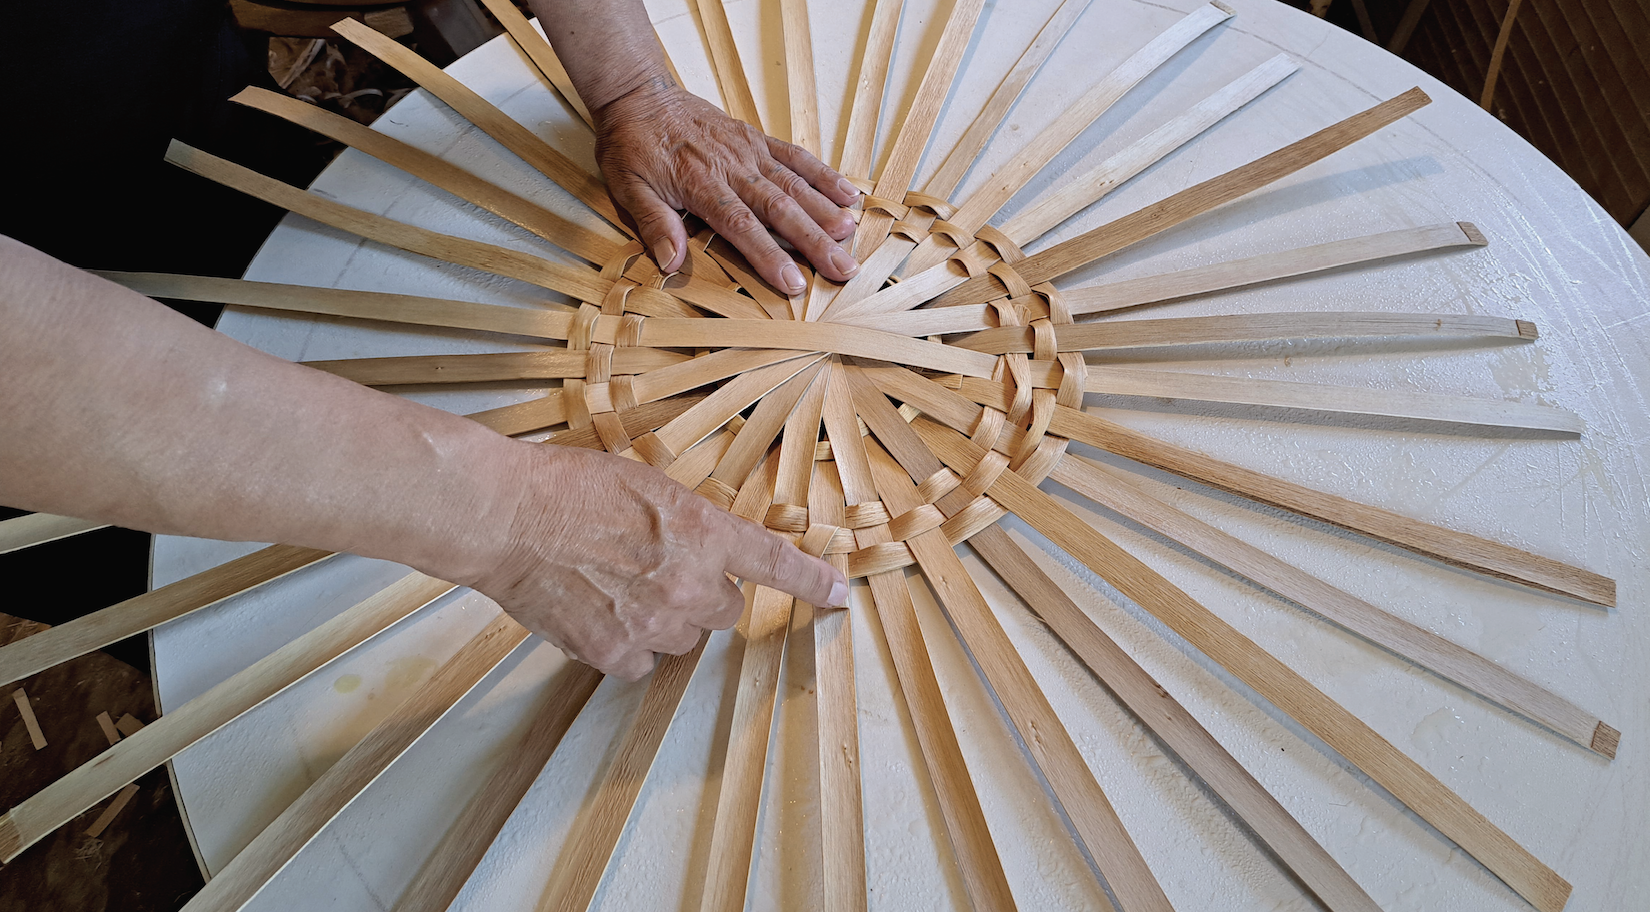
(443, 875)
(763, 425)
(490, 367)
(1325, 718)
(110, 733)
(724, 58)
(580, 283)
(730, 399)
(1448, 546)
(538, 51)
(1166, 718)
(1200, 280)
(357, 305)
(776, 305)
(1076, 195)
(1048, 741)
(1257, 327)
(692, 374)
(33, 529)
(955, 167)
(970, 839)
(917, 127)
(575, 239)
(841, 802)
(495, 123)
(1451, 547)
(1316, 397)
(82, 788)
(274, 848)
(1193, 201)
(135, 615)
(744, 767)
(859, 140)
(666, 332)
(1416, 644)
(799, 75)
(1036, 155)
(594, 838)
(694, 466)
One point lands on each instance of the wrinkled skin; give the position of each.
(617, 561)
(662, 149)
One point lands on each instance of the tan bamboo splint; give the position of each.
(783, 411)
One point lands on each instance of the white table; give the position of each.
(1554, 258)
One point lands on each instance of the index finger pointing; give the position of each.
(768, 560)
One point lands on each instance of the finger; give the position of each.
(768, 560)
(726, 212)
(785, 216)
(825, 179)
(659, 226)
(834, 220)
(680, 641)
(633, 667)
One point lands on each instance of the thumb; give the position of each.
(658, 225)
(764, 558)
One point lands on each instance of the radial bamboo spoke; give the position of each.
(274, 848)
(21, 532)
(455, 857)
(172, 733)
(539, 52)
(480, 112)
(489, 368)
(724, 56)
(871, 79)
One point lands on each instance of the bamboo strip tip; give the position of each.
(1606, 740)
(1223, 7)
(1473, 234)
(1527, 330)
(11, 842)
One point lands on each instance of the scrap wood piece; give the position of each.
(129, 725)
(57, 804)
(1252, 327)
(1193, 201)
(484, 115)
(858, 143)
(841, 798)
(21, 698)
(1168, 720)
(1405, 779)
(115, 807)
(539, 52)
(274, 848)
(32, 529)
(135, 615)
(1199, 280)
(110, 733)
(1446, 545)
(1075, 789)
(455, 857)
(724, 59)
(580, 283)
(1105, 487)
(595, 247)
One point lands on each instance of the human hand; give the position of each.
(662, 148)
(613, 561)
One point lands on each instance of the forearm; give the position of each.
(609, 47)
(116, 409)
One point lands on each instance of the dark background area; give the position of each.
(1574, 80)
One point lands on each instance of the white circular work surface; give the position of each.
(1554, 258)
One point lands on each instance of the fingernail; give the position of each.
(665, 253)
(791, 278)
(847, 187)
(839, 595)
(843, 262)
